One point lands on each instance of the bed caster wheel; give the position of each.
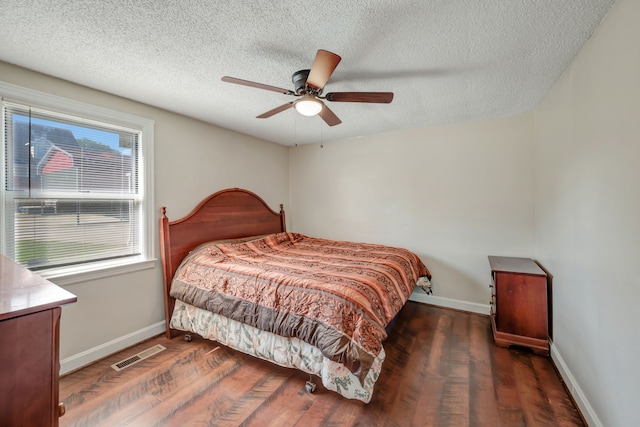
(310, 386)
(187, 338)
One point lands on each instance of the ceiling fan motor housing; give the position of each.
(299, 79)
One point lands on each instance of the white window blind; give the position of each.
(72, 189)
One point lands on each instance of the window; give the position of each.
(76, 184)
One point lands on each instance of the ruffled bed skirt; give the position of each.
(287, 352)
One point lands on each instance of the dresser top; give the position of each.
(24, 292)
(515, 265)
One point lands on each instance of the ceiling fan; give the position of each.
(308, 86)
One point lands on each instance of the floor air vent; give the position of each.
(138, 357)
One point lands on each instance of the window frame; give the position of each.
(99, 269)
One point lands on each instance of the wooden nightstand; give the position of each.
(519, 305)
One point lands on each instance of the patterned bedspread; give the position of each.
(336, 296)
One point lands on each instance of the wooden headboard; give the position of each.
(228, 214)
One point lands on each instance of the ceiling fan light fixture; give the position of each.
(308, 105)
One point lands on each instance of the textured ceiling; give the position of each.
(445, 60)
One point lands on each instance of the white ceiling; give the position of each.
(445, 60)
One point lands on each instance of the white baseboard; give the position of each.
(574, 389)
(94, 354)
(419, 296)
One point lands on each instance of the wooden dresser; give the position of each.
(29, 347)
(519, 304)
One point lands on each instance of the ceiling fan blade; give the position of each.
(376, 97)
(322, 68)
(276, 110)
(329, 116)
(257, 85)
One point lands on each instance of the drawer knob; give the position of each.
(61, 409)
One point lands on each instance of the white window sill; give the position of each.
(73, 275)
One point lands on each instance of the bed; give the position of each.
(232, 273)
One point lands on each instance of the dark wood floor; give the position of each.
(442, 369)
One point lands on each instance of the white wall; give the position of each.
(453, 194)
(588, 217)
(192, 160)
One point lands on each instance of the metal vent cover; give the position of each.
(145, 354)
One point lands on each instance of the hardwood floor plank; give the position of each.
(563, 407)
(392, 369)
(258, 397)
(483, 408)
(259, 390)
(454, 406)
(322, 404)
(534, 402)
(441, 369)
(217, 401)
(285, 408)
(152, 398)
(412, 377)
(348, 414)
(506, 393)
(428, 407)
(437, 362)
(458, 341)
